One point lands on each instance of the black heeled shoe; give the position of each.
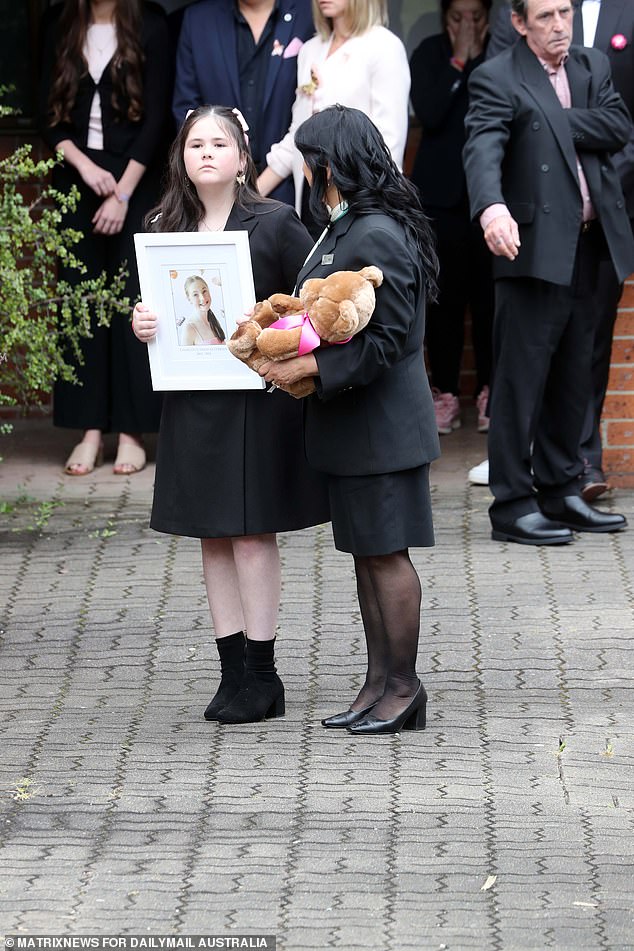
(339, 721)
(413, 717)
(261, 697)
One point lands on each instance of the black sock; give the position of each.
(231, 652)
(260, 657)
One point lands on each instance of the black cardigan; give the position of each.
(440, 100)
(139, 140)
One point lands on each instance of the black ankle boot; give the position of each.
(231, 651)
(261, 695)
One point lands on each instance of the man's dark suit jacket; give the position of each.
(207, 70)
(521, 148)
(616, 18)
(374, 412)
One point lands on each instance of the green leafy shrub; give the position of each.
(42, 319)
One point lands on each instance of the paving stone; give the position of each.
(123, 812)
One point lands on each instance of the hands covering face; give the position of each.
(467, 27)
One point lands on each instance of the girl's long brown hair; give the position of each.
(70, 62)
(180, 208)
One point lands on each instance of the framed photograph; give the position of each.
(198, 285)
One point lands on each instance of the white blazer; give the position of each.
(368, 72)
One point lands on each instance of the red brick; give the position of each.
(619, 406)
(623, 350)
(617, 433)
(618, 460)
(627, 300)
(621, 379)
(624, 326)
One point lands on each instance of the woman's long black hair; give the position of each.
(343, 147)
(180, 208)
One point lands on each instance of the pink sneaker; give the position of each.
(447, 408)
(481, 403)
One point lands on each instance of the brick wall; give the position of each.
(617, 424)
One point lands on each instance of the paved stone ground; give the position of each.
(122, 811)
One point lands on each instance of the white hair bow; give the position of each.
(243, 123)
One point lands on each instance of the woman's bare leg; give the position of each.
(222, 585)
(257, 563)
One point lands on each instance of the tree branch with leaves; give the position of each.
(43, 319)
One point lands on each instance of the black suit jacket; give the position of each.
(207, 68)
(373, 412)
(521, 149)
(616, 17)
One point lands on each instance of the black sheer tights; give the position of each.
(389, 597)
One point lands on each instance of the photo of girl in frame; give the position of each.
(200, 286)
(198, 308)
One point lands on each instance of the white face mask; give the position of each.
(338, 211)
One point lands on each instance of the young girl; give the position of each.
(371, 427)
(104, 104)
(202, 328)
(247, 444)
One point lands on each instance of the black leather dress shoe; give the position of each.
(593, 484)
(575, 513)
(413, 717)
(531, 529)
(339, 721)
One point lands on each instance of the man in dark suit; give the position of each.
(543, 121)
(607, 25)
(244, 53)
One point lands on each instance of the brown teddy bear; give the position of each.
(328, 310)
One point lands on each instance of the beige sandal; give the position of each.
(87, 455)
(130, 459)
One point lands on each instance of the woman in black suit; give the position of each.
(104, 104)
(230, 465)
(371, 425)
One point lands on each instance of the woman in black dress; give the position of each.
(370, 427)
(230, 466)
(104, 104)
(441, 67)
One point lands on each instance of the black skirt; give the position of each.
(231, 464)
(381, 514)
(116, 390)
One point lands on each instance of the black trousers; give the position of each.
(465, 279)
(606, 302)
(542, 345)
(115, 394)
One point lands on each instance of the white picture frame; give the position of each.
(174, 270)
